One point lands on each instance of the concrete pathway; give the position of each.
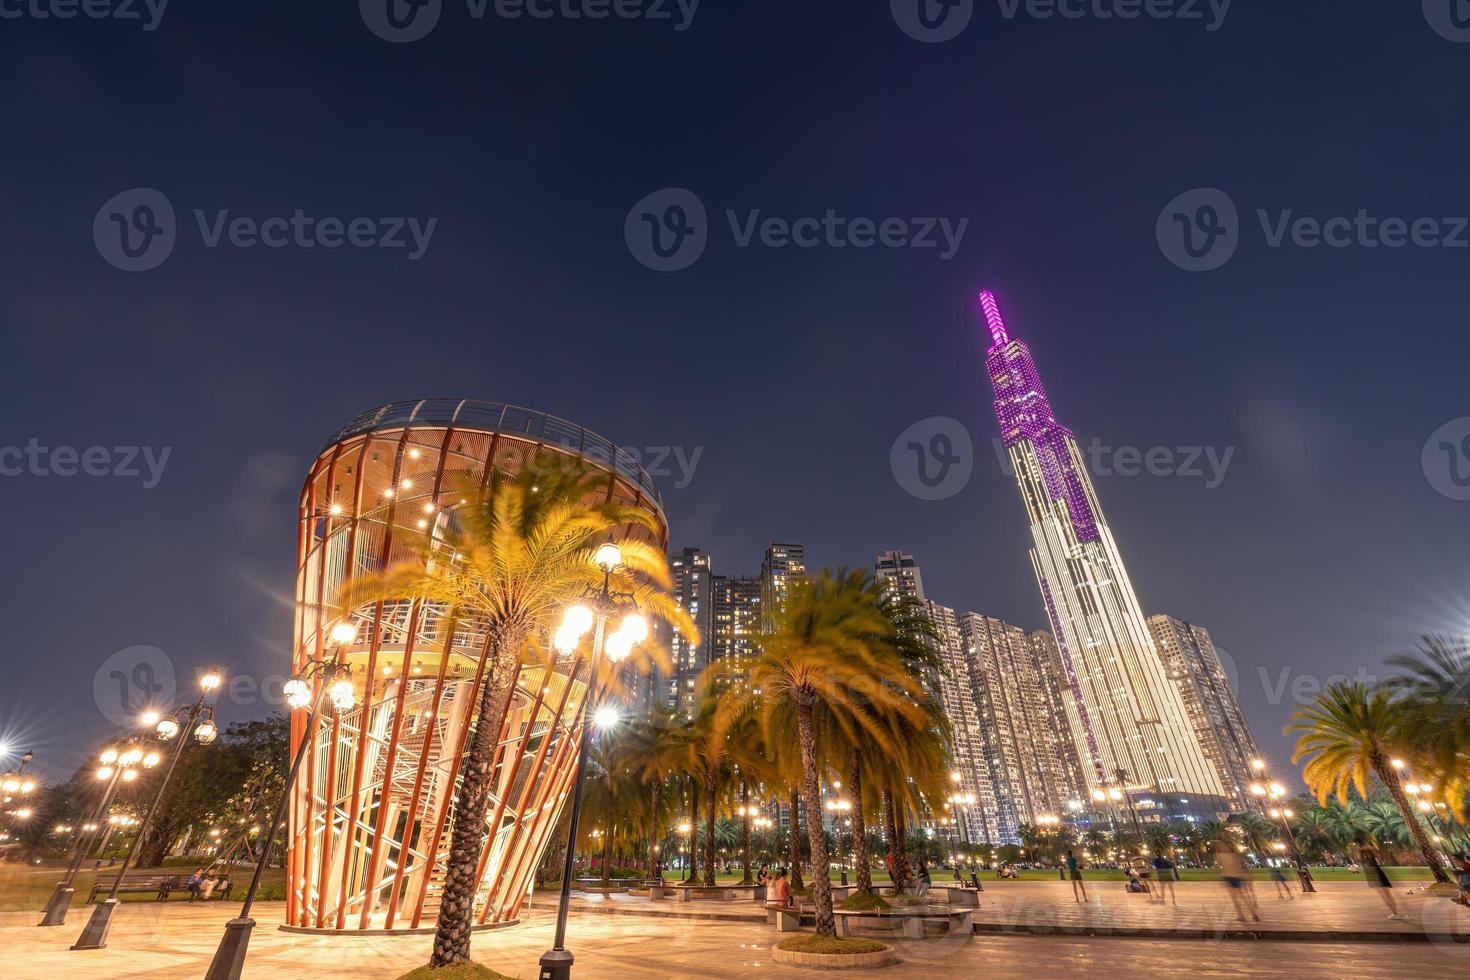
(1339, 911)
(174, 942)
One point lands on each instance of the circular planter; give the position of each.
(834, 961)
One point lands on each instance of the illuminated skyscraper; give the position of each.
(1127, 717)
(1190, 658)
(783, 566)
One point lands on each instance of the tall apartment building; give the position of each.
(900, 572)
(968, 750)
(1126, 716)
(693, 575)
(782, 567)
(1192, 663)
(1031, 767)
(737, 617)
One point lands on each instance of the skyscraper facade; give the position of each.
(900, 572)
(737, 617)
(782, 567)
(1193, 664)
(1127, 718)
(693, 575)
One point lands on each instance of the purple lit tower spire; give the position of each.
(1025, 413)
(1127, 718)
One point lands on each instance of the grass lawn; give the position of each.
(28, 888)
(813, 943)
(468, 971)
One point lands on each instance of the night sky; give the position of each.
(791, 371)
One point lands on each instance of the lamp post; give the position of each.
(195, 719)
(115, 768)
(1266, 788)
(837, 808)
(590, 617)
(307, 691)
(15, 784)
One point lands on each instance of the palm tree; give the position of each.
(1349, 737)
(821, 658)
(1314, 832)
(1256, 832)
(1434, 694)
(508, 560)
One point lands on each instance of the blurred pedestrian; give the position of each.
(1074, 872)
(1377, 879)
(1236, 877)
(1165, 879)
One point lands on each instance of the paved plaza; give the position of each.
(174, 942)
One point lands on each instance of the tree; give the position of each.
(821, 658)
(1434, 696)
(511, 557)
(1349, 736)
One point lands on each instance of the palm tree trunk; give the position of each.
(1390, 779)
(859, 828)
(890, 830)
(655, 871)
(794, 844)
(457, 904)
(821, 884)
(606, 859)
(709, 827)
(693, 826)
(903, 842)
(745, 831)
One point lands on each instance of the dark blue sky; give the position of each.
(1325, 547)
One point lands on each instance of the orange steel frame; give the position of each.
(370, 811)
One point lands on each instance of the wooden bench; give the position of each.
(221, 891)
(911, 924)
(160, 885)
(786, 918)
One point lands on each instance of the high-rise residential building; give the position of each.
(783, 566)
(737, 617)
(1010, 749)
(1127, 717)
(901, 573)
(955, 688)
(1191, 661)
(693, 575)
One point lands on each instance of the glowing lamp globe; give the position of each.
(635, 627)
(344, 633)
(167, 729)
(608, 557)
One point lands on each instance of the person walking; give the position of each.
(1462, 878)
(1237, 881)
(1377, 879)
(1283, 890)
(1165, 880)
(1074, 874)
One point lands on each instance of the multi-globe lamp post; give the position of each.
(321, 681)
(17, 786)
(1266, 788)
(590, 616)
(194, 719)
(958, 802)
(116, 767)
(840, 809)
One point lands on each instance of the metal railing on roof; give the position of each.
(512, 420)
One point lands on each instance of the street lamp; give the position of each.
(185, 718)
(590, 616)
(114, 768)
(1265, 788)
(321, 681)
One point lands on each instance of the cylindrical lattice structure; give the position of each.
(371, 811)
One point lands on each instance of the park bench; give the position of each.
(910, 923)
(961, 895)
(718, 893)
(786, 918)
(221, 891)
(160, 885)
